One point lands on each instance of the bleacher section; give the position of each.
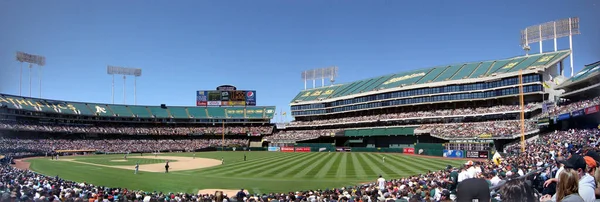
(472, 70)
(108, 110)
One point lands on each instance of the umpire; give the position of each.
(167, 167)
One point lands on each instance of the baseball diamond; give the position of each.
(263, 172)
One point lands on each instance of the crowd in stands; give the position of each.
(570, 107)
(16, 146)
(496, 129)
(299, 135)
(137, 130)
(566, 155)
(420, 114)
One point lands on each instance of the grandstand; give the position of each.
(475, 102)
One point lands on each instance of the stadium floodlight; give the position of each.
(552, 30)
(135, 72)
(319, 73)
(31, 59)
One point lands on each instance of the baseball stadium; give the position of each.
(493, 129)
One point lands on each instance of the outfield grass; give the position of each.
(263, 172)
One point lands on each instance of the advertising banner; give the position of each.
(214, 103)
(237, 103)
(287, 149)
(251, 97)
(563, 117)
(484, 154)
(591, 110)
(343, 149)
(302, 149)
(273, 149)
(214, 95)
(477, 154)
(225, 95)
(578, 113)
(238, 95)
(201, 98)
(408, 150)
(225, 103)
(472, 154)
(542, 121)
(453, 153)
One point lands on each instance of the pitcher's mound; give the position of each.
(228, 192)
(181, 163)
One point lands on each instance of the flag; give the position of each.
(545, 85)
(284, 113)
(497, 158)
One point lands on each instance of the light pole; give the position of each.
(136, 72)
(31, 60)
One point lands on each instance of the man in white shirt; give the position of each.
(381, 183)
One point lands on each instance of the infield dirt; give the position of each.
(181, 163)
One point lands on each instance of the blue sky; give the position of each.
(183, 46)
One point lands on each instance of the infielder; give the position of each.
(137, 167)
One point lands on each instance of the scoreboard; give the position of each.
(226, 95)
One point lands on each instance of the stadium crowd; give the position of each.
(16, 146)
(138, 130)
(488, 129)
(420, 114)
(474, 180)
(299, 135)
(573, 106)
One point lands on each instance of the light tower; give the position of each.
(31, 60)
(136, 72)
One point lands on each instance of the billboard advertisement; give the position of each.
(273, 149)
(563, 117)
(214, 95)
(302, 149)
(591, 110)
(408, 150)
(343, 149)
(227, 95)
(477, 154)
(287, 149)
(214, 103)
(201, 98)
(251, 97)
(453, 153)
(578, 113)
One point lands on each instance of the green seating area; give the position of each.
(216, 112)
(179, 112)
(390, 131)
(235, 112)
(159, 112)
(441, 73)
(121, 110)
(109, 110)
(198, 112)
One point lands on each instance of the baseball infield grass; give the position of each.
(263, 172)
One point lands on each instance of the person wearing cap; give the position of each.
(587, 185)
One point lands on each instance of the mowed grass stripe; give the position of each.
(372, 165)
(341, 171)
(405, 167)
(332, 172)
(422, 166)
(386, 167)
(261, 166)
(293, 163)
(314, 170)
(261, 172)
(302, 171)
(222, 170)
(357, 167)
(431, 163)
(301, 165)
(325, 169)
(244, 163)
(412, 164)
